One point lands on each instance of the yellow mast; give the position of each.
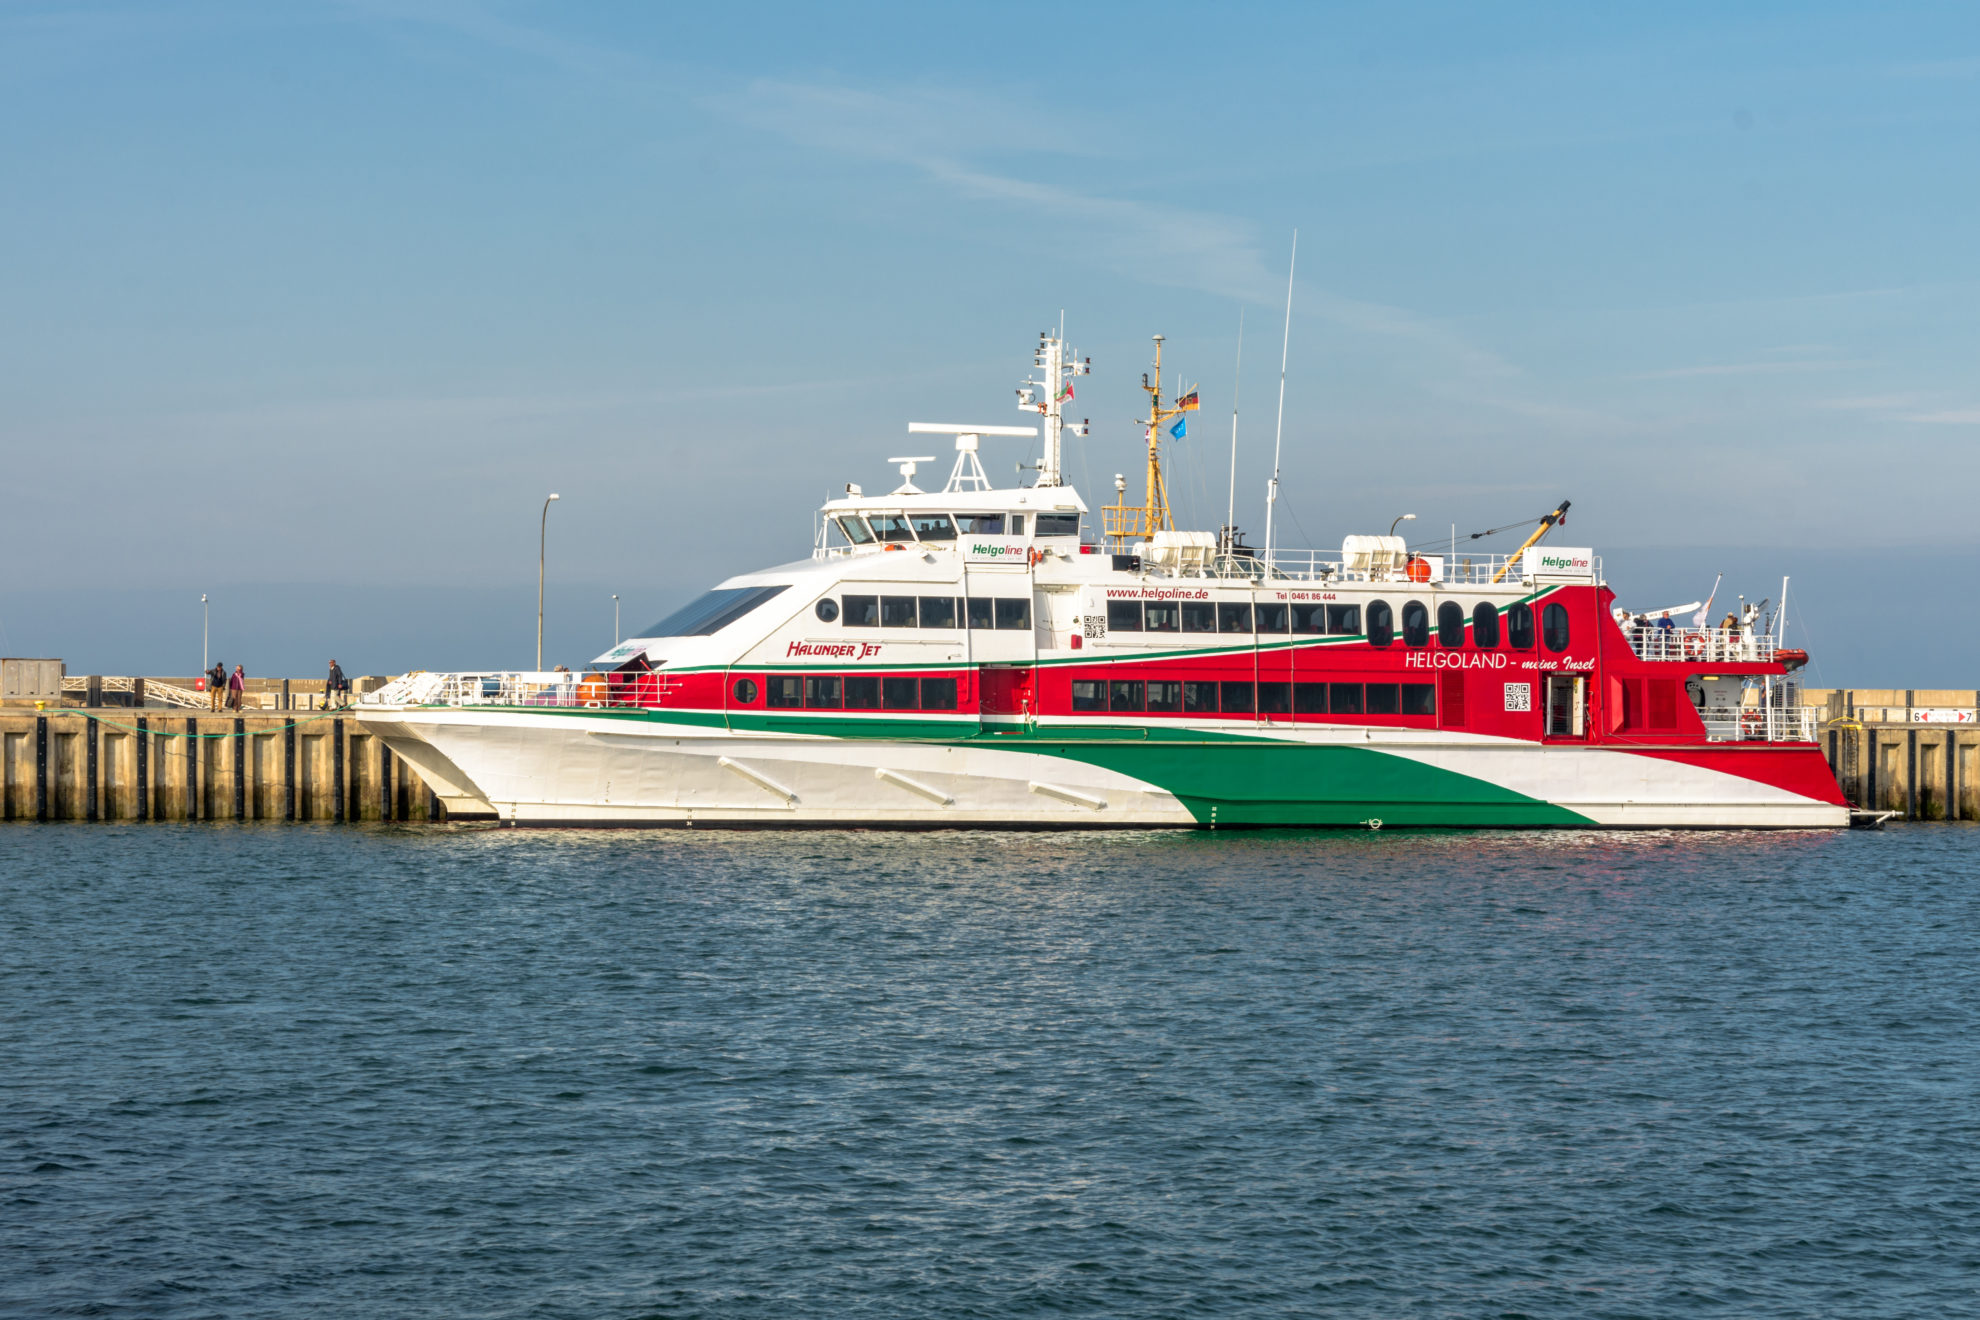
(1124, 523)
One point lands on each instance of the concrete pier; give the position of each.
(1915, 751)
(144, 764)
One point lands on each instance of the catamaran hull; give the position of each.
(569, 768)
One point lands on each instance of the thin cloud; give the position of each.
(1948, 417)
(1754, 369)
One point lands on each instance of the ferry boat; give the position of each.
(977, 656)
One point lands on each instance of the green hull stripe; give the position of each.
(1277, 783)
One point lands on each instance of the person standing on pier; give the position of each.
(216, 685)
(236, 688)
(335, 686)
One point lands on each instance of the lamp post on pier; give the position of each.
(205, 618)
(542, 541)
(615, 619)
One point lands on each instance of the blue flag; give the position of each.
(1180, 429)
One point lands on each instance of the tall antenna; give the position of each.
(1237, 380)
(1278, 435)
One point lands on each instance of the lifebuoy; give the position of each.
(1752, 724)
(1036, 555)
(1694, 646)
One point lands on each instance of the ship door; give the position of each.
(1567, 706)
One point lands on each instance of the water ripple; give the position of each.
(289, 1071)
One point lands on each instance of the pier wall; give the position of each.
(1915, 751)
(146, 764)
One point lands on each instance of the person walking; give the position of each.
(236, 688)
(216, 686)
(336, 685)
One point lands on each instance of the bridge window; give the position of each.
(1450, 625)
(1123, 616)
(1125, 694)
(1309, 698)
(786, 691)
(934, 527)
(861, 611)
(1013, 615)
(897, 612)
(1485, 624)
(853, 528)
(1383, 699)
(1419, 698)
(1237, 698)
(1273, 617)
(1165, 698)
(1089, 694)
(826, 610)
(1519, 626)
(823, 691)
(1199, 616)
(1344, 698)
(1343, 620)
(983, 524)
(744, 692)
(1275, 698)
(938, 611)
(1199, 698)
(938, 694)
(1057, 524)
(895, 693)
(1554, 627)
(891, 527)
(711, 612)
(1381, 623)
(1161, 616)
(1234, 618)
(1416, 623)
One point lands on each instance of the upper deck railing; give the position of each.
(1700, 645)
(1761, 723)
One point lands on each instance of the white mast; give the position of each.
(1278, 435)
(1047, 397)
(1237, 380)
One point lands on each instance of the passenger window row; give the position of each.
(906, 528)
(1203, 616)
(925, 612)
(1190, 697)
(857, 692)
(1487, 624)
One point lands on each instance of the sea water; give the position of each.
(439, 1072)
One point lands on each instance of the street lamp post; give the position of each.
(1407, 517)
(542, 540)
(615, 619)
(205, 617)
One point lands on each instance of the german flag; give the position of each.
(1189, 402)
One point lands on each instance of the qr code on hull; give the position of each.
(1096, 629)
(1519, 696)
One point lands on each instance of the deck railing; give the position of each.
(523, 688)
(1761, 723)
(1700, 645)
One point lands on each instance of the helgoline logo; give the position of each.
(1562, 561)
(996, 551)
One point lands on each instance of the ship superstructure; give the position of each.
(982, 656)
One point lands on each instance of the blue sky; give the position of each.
(305, 298)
